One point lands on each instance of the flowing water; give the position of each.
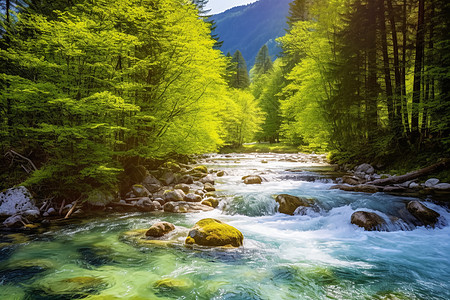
(314, 255)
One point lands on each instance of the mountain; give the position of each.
(247, 28)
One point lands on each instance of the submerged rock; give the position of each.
(15, 201)
(368, 220)
(213, 202)
(252, 179)
(288, 203)
(215, 233)
(173, 284)
(160, 229)
(427, 216)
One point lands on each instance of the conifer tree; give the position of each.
(239, 77)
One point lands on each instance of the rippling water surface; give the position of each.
(319, 255)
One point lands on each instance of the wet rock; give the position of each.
(344, 187)
(288, 203)
(175, 195)
(172, 284)
(160, 200)
(431, 182)
(264, 162)
(214, 233)
(213, 202)
(14, 221)
(366, 188)
(220, 174)
(160, 229)
(352, 180)
(192, 198)
(157, 205)
(140, 191)
(75, 286)
(182, 186)
(145, 204)
(427, 216)
(207, 179)
(252, 179)
(442, 186)
(186, 179)
(209, 187)
(368, 220)
(168, 178)
(364, 169)
(15, 201)
(199, 192)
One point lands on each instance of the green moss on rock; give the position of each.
(212, 232)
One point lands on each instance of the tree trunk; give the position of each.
(387, 69)
(372, 85)
(415, 133)
(404, 102)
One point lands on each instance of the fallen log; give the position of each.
(412, 175)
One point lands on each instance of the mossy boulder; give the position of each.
(288, 203)
(140, 191)
(201, 169)
(209, 187)
(368, 220)
(175, 195)
(425, 215)
(214, 233)
(159, 229)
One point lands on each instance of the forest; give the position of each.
(91, 87)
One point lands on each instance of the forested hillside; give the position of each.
(90, 88)
(367, 80)
(247, 28)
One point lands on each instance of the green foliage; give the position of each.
(238, 69)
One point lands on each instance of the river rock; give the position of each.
(442, 186)
(151, 183)
(182, 186)
(220, 174)
(352, 180)
(160, 229)
(366, 188)
(213, 202)
(207, 179)
(252, 179)
(192, 198)
(160, 200)
(427, 216)
(431, 182)
(175, 195)
(364, 169)
(14, 221)
(201, 169)
(168, 178)
(140, 191)
(209, 187)
(414, 185)
(173, 284)
(186, 179)
(289, 203)
(16, 200)
(31, 214)
(368, 220)
(157, 205)
(145, 204)
(215, 233)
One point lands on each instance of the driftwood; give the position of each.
(62, 206)
(412, 175)
(71, 210)
(13, 153)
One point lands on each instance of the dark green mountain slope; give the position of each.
(247, 28)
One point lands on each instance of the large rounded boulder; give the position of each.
(252, 179)
(159, 229)
(425, 215)
(368, 220)
(214, 233)
(289, 203)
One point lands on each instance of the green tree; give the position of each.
(239, 74)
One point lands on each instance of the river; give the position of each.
(317, 255)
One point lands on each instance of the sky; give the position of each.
(218, 6)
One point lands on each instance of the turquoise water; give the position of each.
(319, 255)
